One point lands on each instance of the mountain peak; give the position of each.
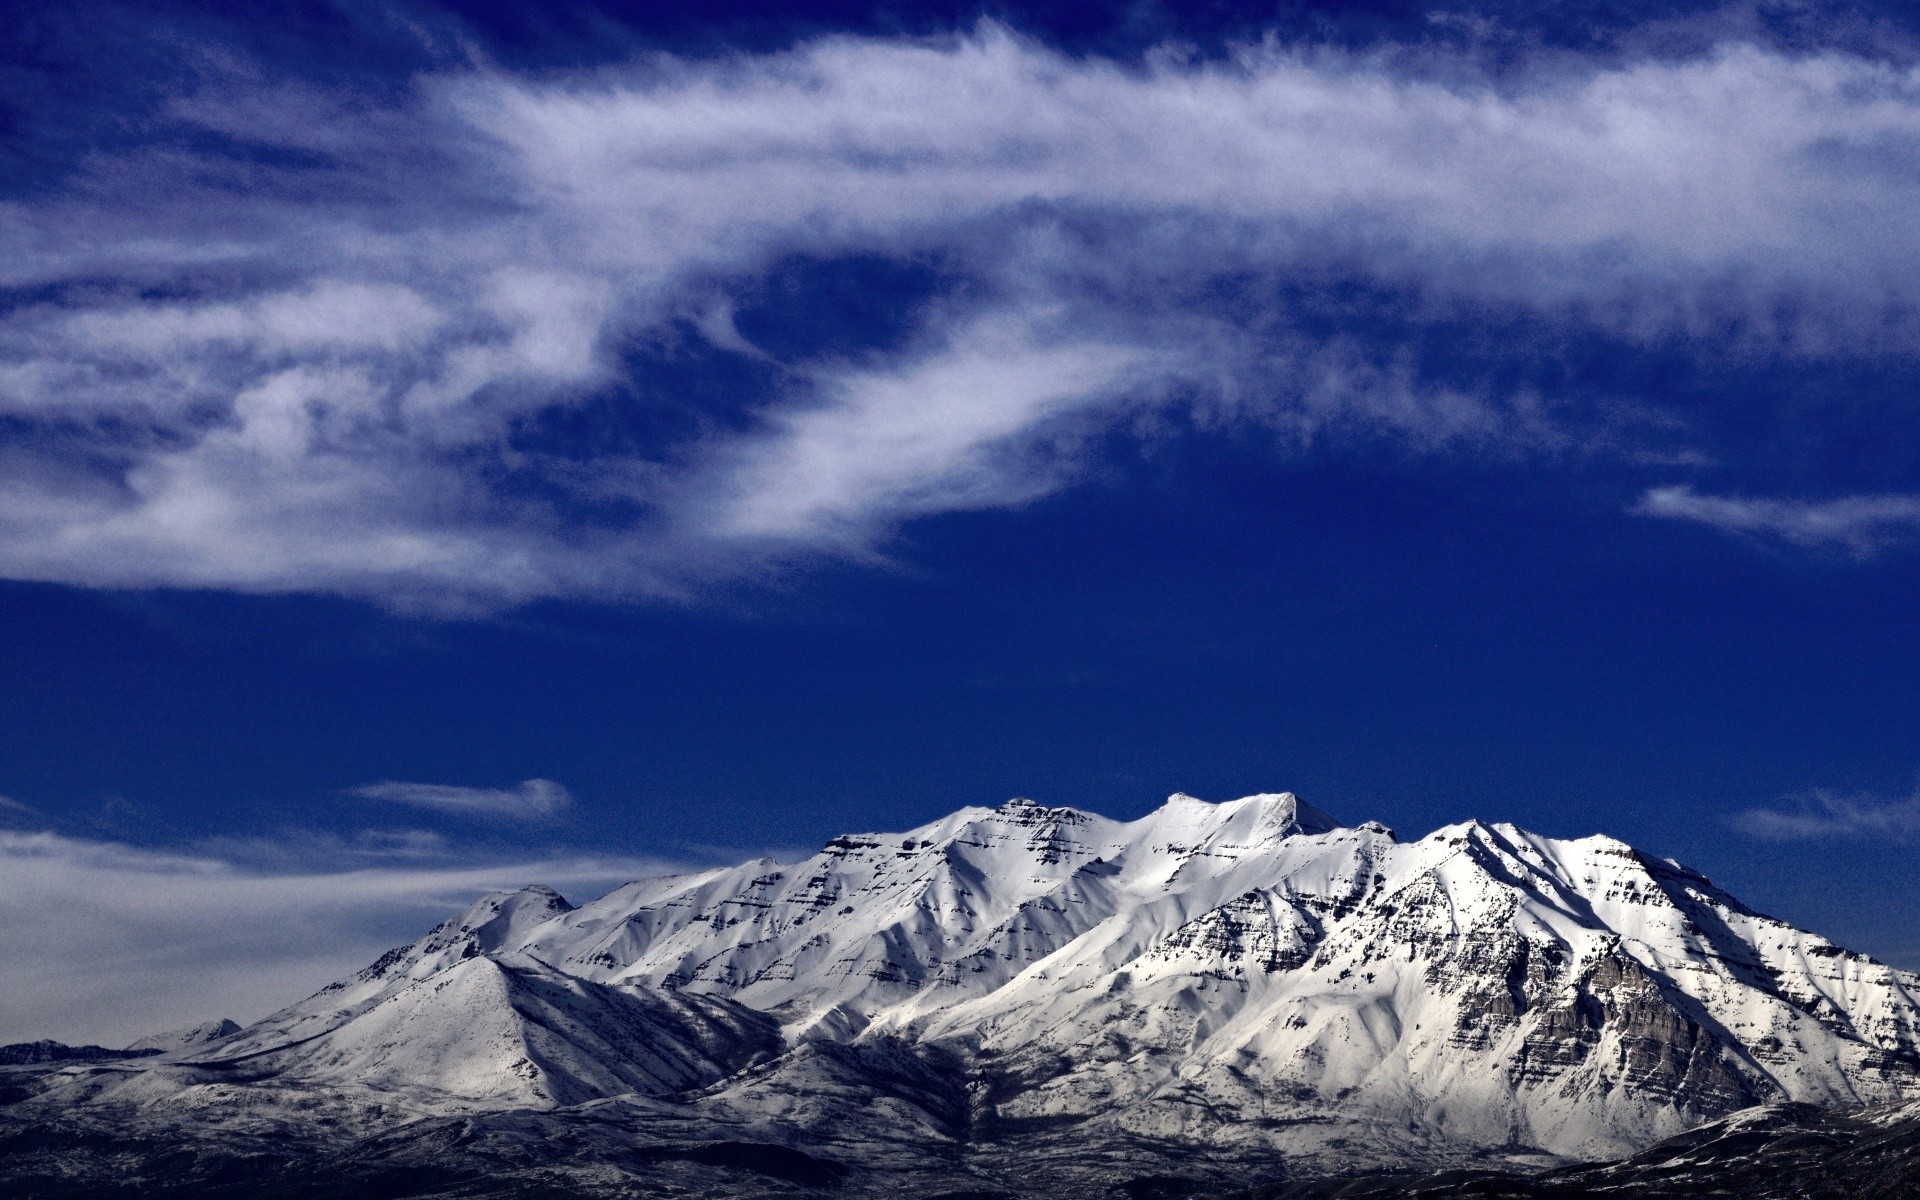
(1020, 806)
(1273, 814)
(499, 918)
(187, 1039)
(1288, 810)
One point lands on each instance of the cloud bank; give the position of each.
(312, 341)
(105, 942)
(531, 800)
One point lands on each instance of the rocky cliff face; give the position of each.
(1039, 997)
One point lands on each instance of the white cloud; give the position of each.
(268, 379)
(328, 315)
(1825, 814)
(532, 799)
(1861, 524)
(106, 942)
(922, 436)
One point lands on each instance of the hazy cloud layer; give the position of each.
(324, 358)
(1825, 814)
(531, 800)
(105, 942)
(1861, 524)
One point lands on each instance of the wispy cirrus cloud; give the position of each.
(922, 436)
(107, 942)
(1860, 524)
(531, 799)
(1822, 814)
(326, 348)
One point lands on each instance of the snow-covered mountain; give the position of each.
(185, 1039)
(1028, 995)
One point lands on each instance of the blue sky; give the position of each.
(442, 447)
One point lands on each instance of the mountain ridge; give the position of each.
(1045, 996)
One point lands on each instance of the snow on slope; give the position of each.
(460, 1020)
(953, 909)
(463, 1012)
(1250, 976)
(191, 1038)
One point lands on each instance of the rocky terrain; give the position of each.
(1024, 1001)
(1775, 1152)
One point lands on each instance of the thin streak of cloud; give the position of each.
(914, 438)
(531, 799)
(1860, 524)
(1822, 815)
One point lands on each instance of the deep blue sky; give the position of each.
(1397, 623)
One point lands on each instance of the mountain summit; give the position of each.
(1030, 998)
